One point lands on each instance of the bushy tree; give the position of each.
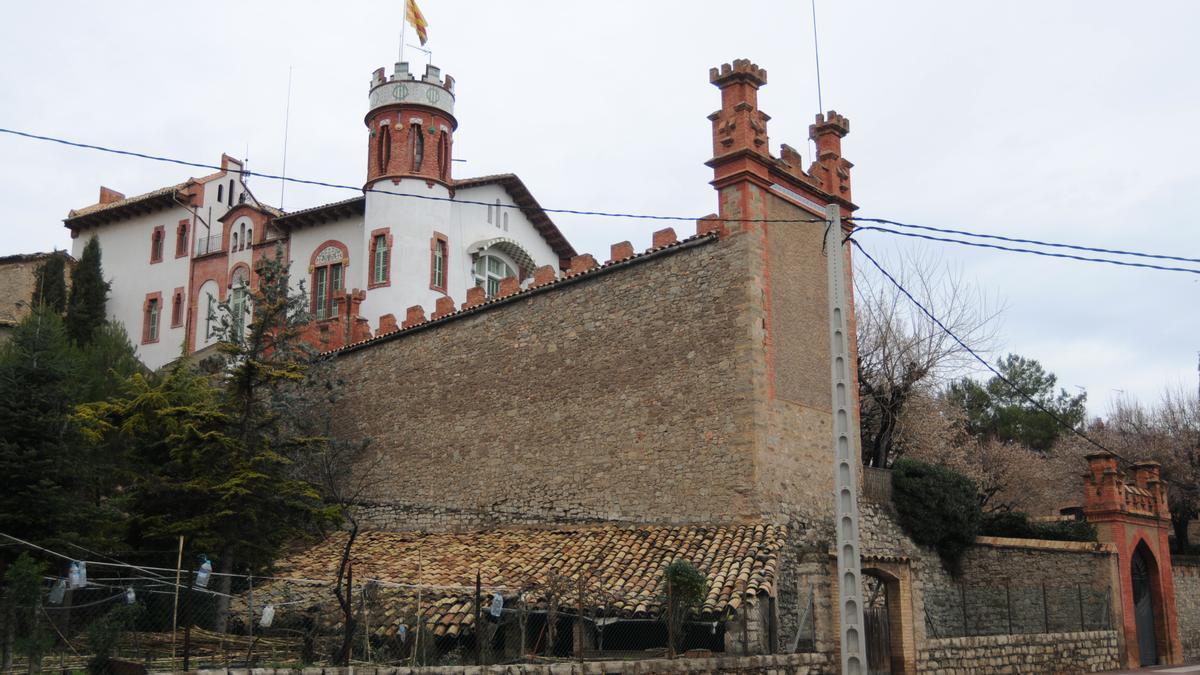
(89, 295)
(27, 633)
(50, 284)
(683, 591)
(937, 507)
(994, 410)
(37, 472)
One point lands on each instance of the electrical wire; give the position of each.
(1017, 240)
(982, 360)
(1013, 249)
(338, 186)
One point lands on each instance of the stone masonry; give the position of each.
(1186, 571)
(1046, 653)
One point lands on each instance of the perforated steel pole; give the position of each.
(845, 451)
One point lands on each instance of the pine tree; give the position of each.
(89, 294)
(36, 473)
(50, 284)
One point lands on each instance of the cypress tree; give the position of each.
(89, 293)
(50, 284)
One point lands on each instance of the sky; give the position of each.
(1069, 121)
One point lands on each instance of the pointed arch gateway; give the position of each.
(1143, 576)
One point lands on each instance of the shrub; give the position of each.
(683, 589)
(937, 508)
(1017, 524)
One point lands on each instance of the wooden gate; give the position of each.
(1143, 609)
(879, 640)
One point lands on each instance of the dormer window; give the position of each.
(489, 270)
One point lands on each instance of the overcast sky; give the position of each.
(1067, 121)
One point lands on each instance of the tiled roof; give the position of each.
(128, 201)
(316, 215)
(620, 570)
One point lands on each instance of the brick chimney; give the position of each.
(109, 195)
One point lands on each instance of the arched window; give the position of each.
(384, 152)
(177, 308)
(181, 239)
(418, 146)
(156, 244)
(221, 193)
(249, 236)
(443, 156)
(490, 268)
(328, 273)
(235, 242)
(239, 293)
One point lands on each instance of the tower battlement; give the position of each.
(404, 87)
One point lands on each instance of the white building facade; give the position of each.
(416, 236)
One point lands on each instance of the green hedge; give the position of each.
(937, 507)
(1017, 524)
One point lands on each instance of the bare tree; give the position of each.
(902, 354)
(1169, 434)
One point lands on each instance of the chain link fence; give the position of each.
(122, 618)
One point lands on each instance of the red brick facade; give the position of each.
(1131, 512)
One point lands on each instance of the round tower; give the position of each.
(411, 130)
(411, 124)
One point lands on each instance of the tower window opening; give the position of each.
(231, 192)
(443, 156)
(384, 154)
(380, 262)
(418, 146)
(221, 194)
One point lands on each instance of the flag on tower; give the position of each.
(413, 15)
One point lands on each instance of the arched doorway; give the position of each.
(887, 625)
(1143, 573)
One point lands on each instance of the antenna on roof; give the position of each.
(287, 117)
(817, 60)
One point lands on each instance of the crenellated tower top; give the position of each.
(411, 123)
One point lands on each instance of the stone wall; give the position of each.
(623, 395)
(778, 664)
(1186, 573)
(1086, 652)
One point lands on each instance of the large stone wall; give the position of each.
(624, 395)
(1186, 574)
(1086, 652)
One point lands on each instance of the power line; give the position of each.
(1013, 249)
(338, 186)
(982, 360)
(1035, 242)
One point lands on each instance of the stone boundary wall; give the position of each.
(1185, 572)
(776, 664)
(1088, 652)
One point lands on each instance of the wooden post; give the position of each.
(1045, 610)
(579, 619)
(175, 612)
(478, 624)
(187, 627)
(962, 593)
(1008, 602)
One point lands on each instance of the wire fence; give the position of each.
(969, 610)
(139, 616)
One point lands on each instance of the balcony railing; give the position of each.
(206, 245)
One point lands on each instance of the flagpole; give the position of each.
(403, 26)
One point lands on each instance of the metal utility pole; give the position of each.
(845, 451)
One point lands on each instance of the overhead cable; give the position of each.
(1023, 394)
(338, 186)
(1012, 249)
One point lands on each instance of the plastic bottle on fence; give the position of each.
(58, 591)
(267, 617)
(73, 575)
(203, 574)
(130, 597)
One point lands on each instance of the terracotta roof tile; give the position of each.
(621, 569)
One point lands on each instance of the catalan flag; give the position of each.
(413, 15)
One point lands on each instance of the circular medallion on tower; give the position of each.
(403, 87)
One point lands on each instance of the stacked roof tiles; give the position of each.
(618, 571)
